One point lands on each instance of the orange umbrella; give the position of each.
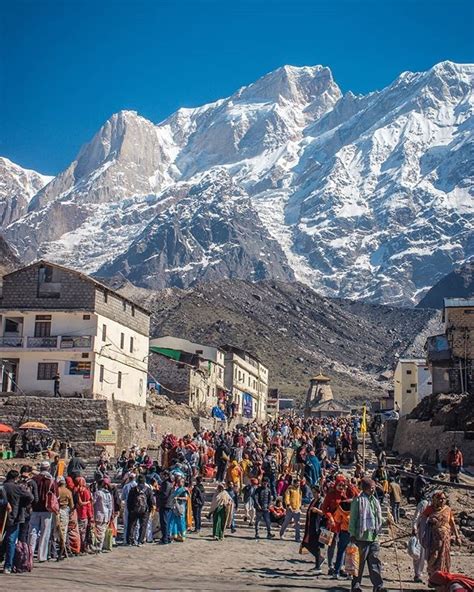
(5, 429)
(34, 425)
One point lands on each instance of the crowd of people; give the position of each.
(276, 473)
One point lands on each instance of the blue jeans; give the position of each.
(11, 537)
(165, 517)
(342, 542)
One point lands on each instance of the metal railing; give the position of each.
(51, 342)
(11, 341)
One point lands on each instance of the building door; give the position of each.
(9, 376)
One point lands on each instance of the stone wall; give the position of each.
(117, 308)
(20, 291)
(77, 420)
(419, 439)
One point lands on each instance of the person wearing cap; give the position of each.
(365, 525)
(66, 506)
(41, 516)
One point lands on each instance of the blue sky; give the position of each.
(67, 66)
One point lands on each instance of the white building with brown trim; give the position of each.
(57, 320)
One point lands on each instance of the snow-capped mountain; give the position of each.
(17, 187)
(359, 196)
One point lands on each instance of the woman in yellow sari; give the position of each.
(234, 474)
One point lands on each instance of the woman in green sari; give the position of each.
(221, 511)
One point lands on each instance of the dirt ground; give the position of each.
(237, 563)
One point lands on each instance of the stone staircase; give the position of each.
(242, 525)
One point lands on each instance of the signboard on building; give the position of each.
(247, 405)
(80, 369)
(104, 437)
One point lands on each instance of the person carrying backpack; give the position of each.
(140, 503)
(17, 497)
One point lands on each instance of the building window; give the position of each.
(122, 340)
(133, 310)
(86, 317)
(124, 304)
(408, 391)
(43, 326)
(84, 355)
(119, 380)
(104, 332)
(47, 370)
(408, 371)
(101, 374)
(106, 297)
(47, 288)
(131, 345)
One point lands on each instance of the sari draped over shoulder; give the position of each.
(312, 529)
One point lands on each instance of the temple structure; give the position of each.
(320, 399)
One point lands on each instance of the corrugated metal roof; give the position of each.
(458, 302)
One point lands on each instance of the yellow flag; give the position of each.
(363, 425)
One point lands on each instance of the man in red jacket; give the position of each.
(41, 516)
(332, 499)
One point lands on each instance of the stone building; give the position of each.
(246, 378)
(450, 355)
(188, 372)
(412, 382)
(319, 391)
(55, 320)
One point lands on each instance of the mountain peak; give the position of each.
(297, 84)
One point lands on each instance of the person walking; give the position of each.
(56, 384)
(420, 560)
(365, 525)
(312, 530)
(198, 497)
(42, 515)
(293, 501)
(395, 492)
(262, 500)
(249, 501)
(17, 497)
(165, 507)
(221, 512)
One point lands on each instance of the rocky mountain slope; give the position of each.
(367, 196)
(9, 261)
(292, 329)
(17, 187)
(457, 284)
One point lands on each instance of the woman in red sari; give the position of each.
(437, 528)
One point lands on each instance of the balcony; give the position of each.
(40, 342)
(52, 342)
(8, 342)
